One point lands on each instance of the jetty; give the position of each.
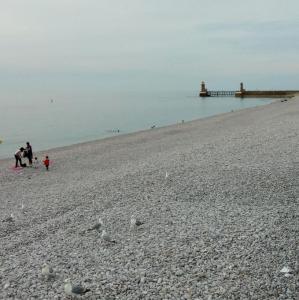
(242, 93)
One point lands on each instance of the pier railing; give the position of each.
(221, 93)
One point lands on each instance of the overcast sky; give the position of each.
(149, 44)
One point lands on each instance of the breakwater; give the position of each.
(242, 93)
(265, 94)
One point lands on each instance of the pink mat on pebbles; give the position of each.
(16, 169)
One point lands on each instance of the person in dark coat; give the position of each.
(29, 153)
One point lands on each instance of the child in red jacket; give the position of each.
(47, 162)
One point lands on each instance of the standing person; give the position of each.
(47, 162)
(29, 153)
(18, 156)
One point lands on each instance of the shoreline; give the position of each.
(218, 197)
(61, 148)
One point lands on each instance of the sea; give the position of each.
(60, 120)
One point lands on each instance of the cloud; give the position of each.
(148, 39)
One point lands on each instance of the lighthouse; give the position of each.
(203, 90)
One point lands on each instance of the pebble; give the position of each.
(223, 225)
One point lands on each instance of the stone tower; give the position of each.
(203, 91)
(242, 87)
(203, 87)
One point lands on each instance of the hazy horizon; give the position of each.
(49, 47)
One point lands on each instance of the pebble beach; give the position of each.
(218, 198)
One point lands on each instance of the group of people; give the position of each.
(28, 153)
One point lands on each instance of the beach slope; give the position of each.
(218, 198)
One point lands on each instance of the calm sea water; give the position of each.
(68, 120)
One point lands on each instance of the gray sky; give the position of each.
(149, 44)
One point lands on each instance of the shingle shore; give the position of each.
(221, 225)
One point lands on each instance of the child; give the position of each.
(47, 162)
(35, 163)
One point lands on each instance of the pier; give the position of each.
(220, 93)
(242, 93)
(205, 93)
